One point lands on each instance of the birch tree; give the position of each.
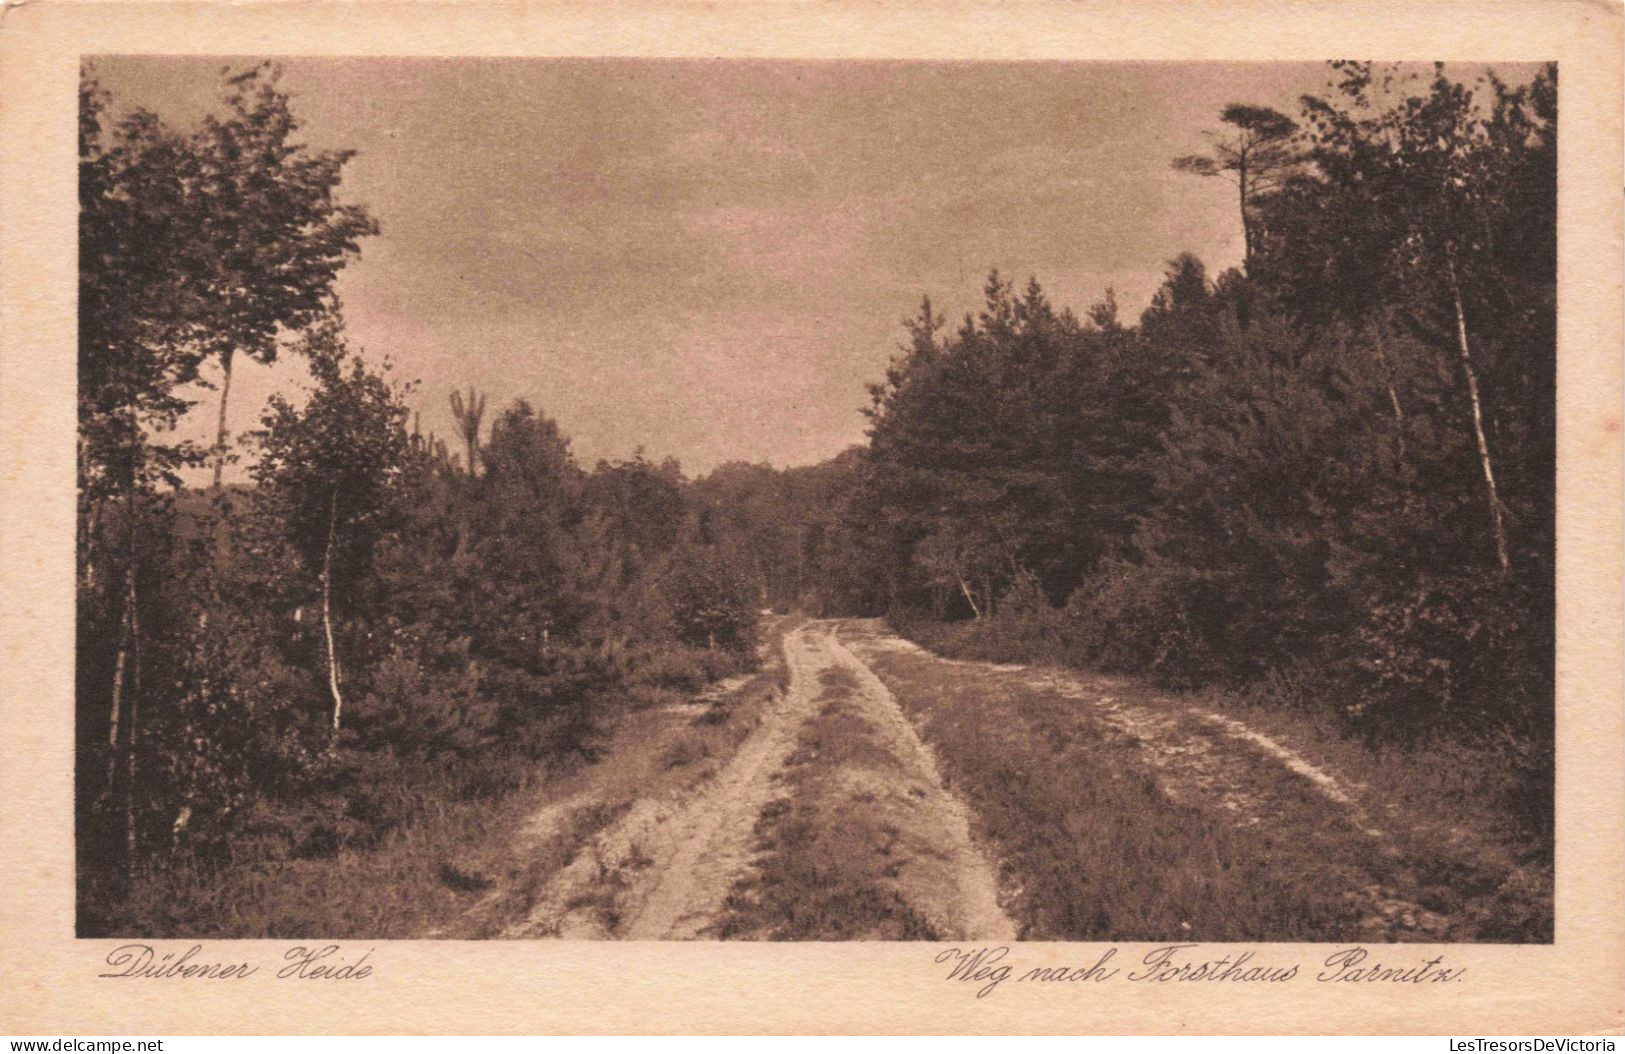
(268, 235)
(1406, 217)
(138, 321)
(327, 474)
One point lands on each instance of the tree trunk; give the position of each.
(801, 565)
(119, 789)
(1246, 222)
(220, 429)
(963, 588)
(121, 712)
(131, 730)
(87, 551)
(327, 612)
(1497, 528)
(1388, 374)
(115, 712)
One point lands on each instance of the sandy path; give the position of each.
(1197, 755)
(1170, 744)
(665, 870)
(713, 835)
(960, 895)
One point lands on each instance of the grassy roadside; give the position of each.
(1104, 838)
(1095, 850)
(459, 868)
(1451, 806)
(392, 891)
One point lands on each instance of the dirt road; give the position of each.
(1125, 812)
(859, 787)
(667, 868)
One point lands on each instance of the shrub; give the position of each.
(710, 602)
(419, 712)
(1452, 651)
(1143, 618)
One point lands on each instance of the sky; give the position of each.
(709, 259)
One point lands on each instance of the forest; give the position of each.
(1322, 481)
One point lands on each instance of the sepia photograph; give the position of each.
(728, 499)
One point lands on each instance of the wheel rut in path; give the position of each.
(665, 870)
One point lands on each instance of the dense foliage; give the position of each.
(1329, 475)
(1324, 479)
(301, 666)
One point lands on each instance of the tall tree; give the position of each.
(266, 236)
(1255, 151)
(139, 320)
(468, 414)
(326, 474)
(996, 449)
(529, 502)
(1410, 211)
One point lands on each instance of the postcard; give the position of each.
(812, 517)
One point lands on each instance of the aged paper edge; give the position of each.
(47, 980)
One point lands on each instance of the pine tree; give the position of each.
(1256, 152)
(468, 414)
